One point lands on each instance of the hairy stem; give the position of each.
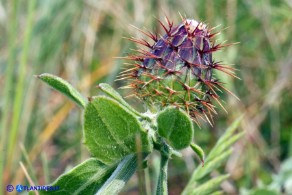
(162, 180)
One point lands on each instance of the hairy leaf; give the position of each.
(85, 178)
(106, 88)
(64, 87)
(199, 151)
(176, 126)
(120, 176)
(111, 132)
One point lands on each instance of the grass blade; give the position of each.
(20, 85)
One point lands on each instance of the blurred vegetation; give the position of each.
(79, 40)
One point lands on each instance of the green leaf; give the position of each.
(210, 186)
(263, 192)
(210, 165)
(111, 132)
(217, 156)
(85, 178)
(223, 146)
(217, 193)
(107, 89)
(230, 130)
(64, 87)
(199, 151)
(120, 176)
(176, 126)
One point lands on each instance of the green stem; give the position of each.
(162, 180)
(17, 104)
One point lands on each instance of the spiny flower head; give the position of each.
(177, 69)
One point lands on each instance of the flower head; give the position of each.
(177, 69)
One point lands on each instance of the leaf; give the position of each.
(217, 193)
(85, 178)
(219, 148)
(176, 126)
(210, 165)
(210, 186)
(111, 132)
(199, 151)
(263, 192)
(106, 88)
(120, 176)
(217, 156)
(230, 130)
(64, 87)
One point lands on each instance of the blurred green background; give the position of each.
(41, 132)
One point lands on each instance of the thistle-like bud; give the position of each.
(177, 69)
